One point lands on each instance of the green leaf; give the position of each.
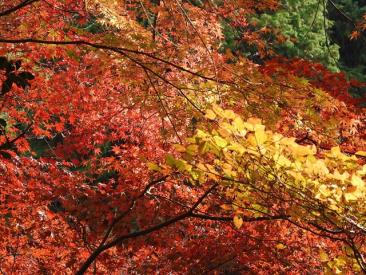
(153, 166)
(170, 160)
(219, 141)
(2, 122)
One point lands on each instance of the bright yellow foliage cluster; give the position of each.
(259, 169)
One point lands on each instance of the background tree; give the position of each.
(295, 29)
(347, 15)
(302, 27)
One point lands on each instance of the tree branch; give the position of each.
(245, 219)
(120, 239)
(10, 142)
(123, 214)
(17, 7)
(110, 48)
(180, 90)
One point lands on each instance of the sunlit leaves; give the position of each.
(238, 221)
(250, 161)
(361, 153)
(210, 114)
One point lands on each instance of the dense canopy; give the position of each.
(182, 137)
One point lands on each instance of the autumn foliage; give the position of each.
(130, 142)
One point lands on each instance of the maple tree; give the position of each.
(131, 142)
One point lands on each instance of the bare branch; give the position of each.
(132, 204)
(10, 142)
(110, 48)
(17, 7)
(120, 239)
(245, 219)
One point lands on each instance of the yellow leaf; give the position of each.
(210, 114)
(203, 148)
(254, 121)
(229, 114)
(238, 222)
(350, 196)
(317, 168)
(200, 134)
(260, 137)
(192, 149)
(282, 161)
(324, 190)
(336, 153)
(254, 124)
(218, 110)
(304, 150)
(361, 153)
(201, 167)
(237, 148)
(226, 207)
(356, 267)
(280, 246)
(357, 181)
(323, 256)
(341, 177)
(341, 261)
(225, 132)
(238, 124)
(179, 148)
(362, 172)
